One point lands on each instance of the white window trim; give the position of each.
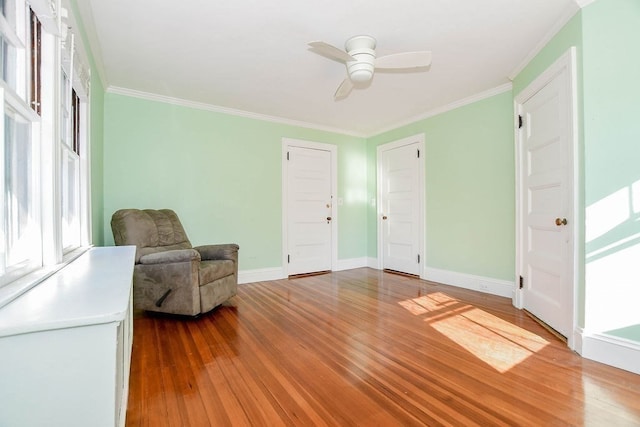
(47, 130)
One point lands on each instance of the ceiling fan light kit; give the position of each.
(359, 57)
(362, 50)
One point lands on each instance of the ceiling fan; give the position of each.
(360, 58)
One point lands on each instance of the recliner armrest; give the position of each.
(165, 257)
(214, 252)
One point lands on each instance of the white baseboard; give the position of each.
(277, 273)
(348, 264)
(261, 275)
(614, 351)
(477, 283)
(487, 285)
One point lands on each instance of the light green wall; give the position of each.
(158, 155)
(221, 173)
(469, 188)
(611, 67)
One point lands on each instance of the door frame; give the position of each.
(419, 139)
(564, 64)
(290, 142)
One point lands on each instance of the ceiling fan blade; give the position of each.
(406, 60)
(343, 90)
(329, 51)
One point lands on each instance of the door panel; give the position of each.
(547, 194)
(309, 206)
(400, 201)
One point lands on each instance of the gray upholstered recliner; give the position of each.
(170, 275)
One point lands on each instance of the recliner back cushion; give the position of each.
(150, 230)
(169, 230)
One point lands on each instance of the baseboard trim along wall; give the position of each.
(261, 275)
(610, 350)
(277, 273)
(350, 264)
(488, 285)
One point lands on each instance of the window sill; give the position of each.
(18, 287)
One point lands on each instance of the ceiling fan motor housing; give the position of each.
(362, 48)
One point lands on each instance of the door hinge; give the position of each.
(418, 153)
(287, 155)
(520, 122)
(418, 258)
(521, 282)
(288, 259)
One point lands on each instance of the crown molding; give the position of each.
(225, 110)
(584, 3)
(452, 106)
(273, 119)
(568, 13)
(89, 27)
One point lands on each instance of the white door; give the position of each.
(546, 198)
(309, 210)
(400, 181)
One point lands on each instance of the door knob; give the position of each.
(560, 222)
(328, 218)
(384, 217)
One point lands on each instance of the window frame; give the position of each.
(13, 103)
(38, 98)
(74, 138)
(10, 102)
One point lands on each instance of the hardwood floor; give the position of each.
(367, 348)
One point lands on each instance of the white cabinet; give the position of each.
(65, 345)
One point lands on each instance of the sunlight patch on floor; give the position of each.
(597, 393)
(434, 305)
(496, 342)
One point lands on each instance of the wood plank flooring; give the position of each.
(367, 348)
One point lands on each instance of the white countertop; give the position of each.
(93, 289)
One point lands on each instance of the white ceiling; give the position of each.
(252, 55)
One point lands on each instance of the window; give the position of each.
(72, 138)
(20, 245)
(44, 176)
(70, 177)
(21, 218)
